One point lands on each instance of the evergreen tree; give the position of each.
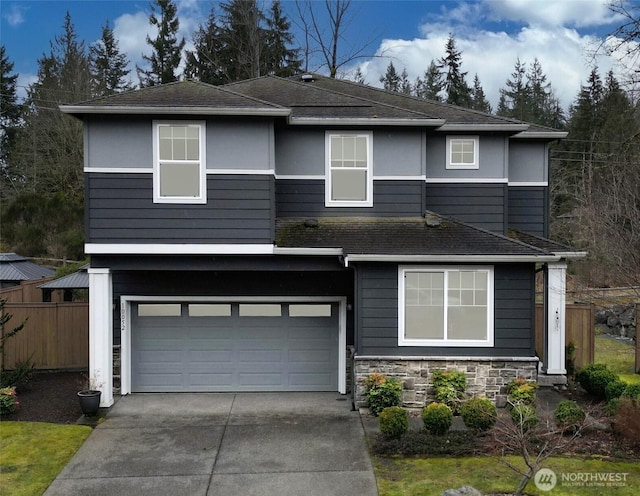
(358, 77)
(454, 82)
(405, 86)
(431, 86)
(203, 63)
(478, 98)
(108, 65)
(280, 58)
(166, 49)
(10, 118)
(514, 98)
(391, 81)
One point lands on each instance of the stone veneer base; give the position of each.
(486, 376)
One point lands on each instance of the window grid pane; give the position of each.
(349, 164)
(179, 166)
(463, 151)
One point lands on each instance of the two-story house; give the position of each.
(299, 234)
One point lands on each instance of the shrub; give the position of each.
(449, 387)
(614, 389)
(394, 421)
(627, 420)
(612, 406)
(8, 400)
(521, 390)
(437, 418)
(479, 414)
(21, 374)
(524, 416)
(632, 392)
(570, 358)
(595, 377)
(382, 392)
(569, 415)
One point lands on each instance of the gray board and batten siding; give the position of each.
(377, 324)
(120, 209)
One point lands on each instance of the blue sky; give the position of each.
(491, 34)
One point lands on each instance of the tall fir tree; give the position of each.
(108, 65)
(10, 119)
(454, 80)
(281, 59)
(405, 87)
(391, 80)
(478, 98)
(203, 63)
(430, 86)
(513, 98)
(166, 51)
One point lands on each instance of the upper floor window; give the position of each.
(179, 174)
(462, 152)
(445, 306)
(349, 176)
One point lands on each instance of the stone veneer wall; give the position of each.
(485, 376)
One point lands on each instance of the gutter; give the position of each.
(182, 110)
(450, 258)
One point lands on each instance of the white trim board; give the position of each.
(125, 326)
(202, 249)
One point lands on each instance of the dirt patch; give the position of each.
(49, 397)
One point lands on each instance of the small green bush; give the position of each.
(394, 421)
(21, 373)
(595, 377)
(437, 418)
(631, 391)
(521, 390)
(612, 406)
(569, 415)
(614, 389)
(382, 392)
(8, 400)
(479, 414)
(524, 415)
(449, 387)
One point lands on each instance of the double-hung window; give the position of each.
(445, 306)
(179, 174)
(349, 178)
(462, 152)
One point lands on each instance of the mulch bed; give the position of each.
(49, 397)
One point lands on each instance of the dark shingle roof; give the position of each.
(310, 100)
(537, 241)
(14, 267)
(435, 235)
(184, 94)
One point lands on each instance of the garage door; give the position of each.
(191, 347)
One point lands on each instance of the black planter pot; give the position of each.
(89, 402)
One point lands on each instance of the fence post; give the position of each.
(637, 367)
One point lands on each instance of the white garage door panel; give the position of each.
(234, 353)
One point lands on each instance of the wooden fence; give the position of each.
(579, 328)
(28, 291)
(56, 335)
(637, 338)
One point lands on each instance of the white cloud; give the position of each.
(15, 15)
(564, 53)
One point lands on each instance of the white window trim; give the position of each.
(368, 202)
(489, 342)
(202, 196)
(476, 153)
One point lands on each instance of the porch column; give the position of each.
(555, 328)
(101, 332)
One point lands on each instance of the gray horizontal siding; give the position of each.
(377, 318)
(482, 205)
(305, 198)
(528, 209)
(120, 209)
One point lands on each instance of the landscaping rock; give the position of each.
(617, 320)
(462, 491)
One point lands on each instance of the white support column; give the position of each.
(555, 328)
(101, 332)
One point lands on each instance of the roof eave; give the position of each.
(541, 135)
(571, 254)
(184, 110)
(506, 127)
(450, 258)
(372, 121)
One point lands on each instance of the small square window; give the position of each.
(462, 152)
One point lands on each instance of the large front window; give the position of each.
(349, 178)
(179, 162)
(445, 306)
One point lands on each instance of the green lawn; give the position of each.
(32, 454)
(432, 476)
(619, 357)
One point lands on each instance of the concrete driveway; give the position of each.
(223, 444)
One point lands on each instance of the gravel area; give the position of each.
(49, 397)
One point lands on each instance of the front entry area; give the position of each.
(224, 346)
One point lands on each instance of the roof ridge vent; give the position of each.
(307, 78)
